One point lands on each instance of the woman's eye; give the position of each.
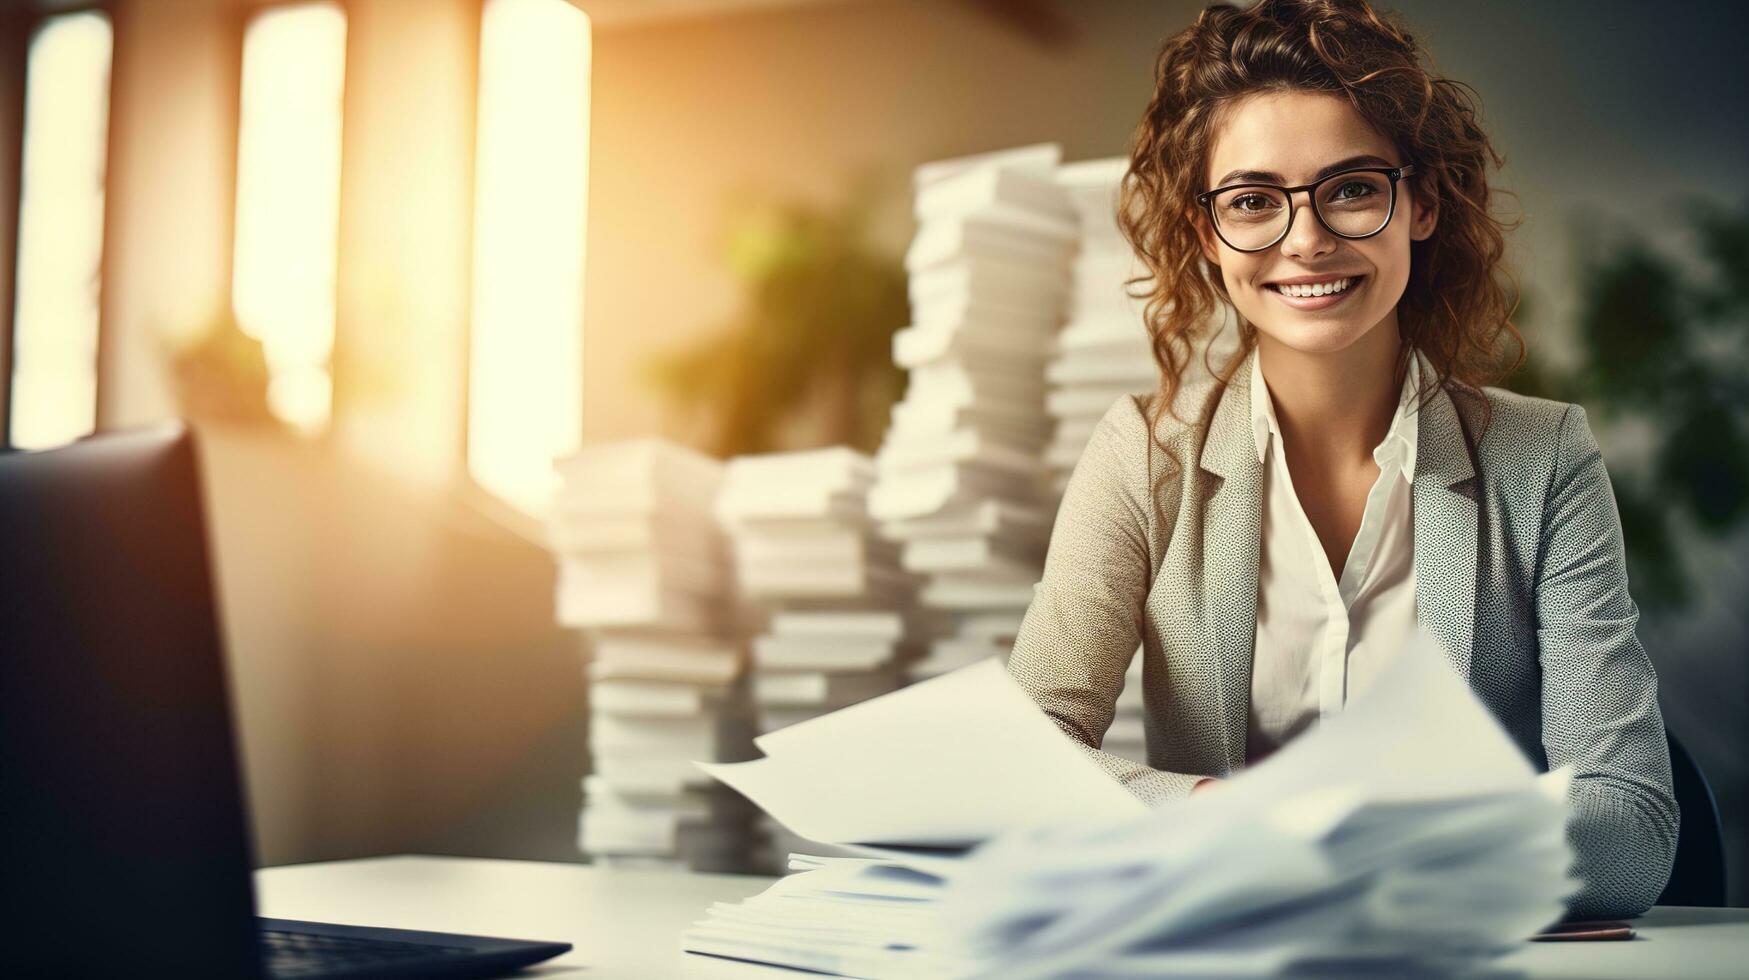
(1250, 202)
(1360, 189)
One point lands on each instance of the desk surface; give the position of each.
(625, 925)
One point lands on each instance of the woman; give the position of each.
(1270, 532)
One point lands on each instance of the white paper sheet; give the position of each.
(1425, 736)
(1407, 835)
(953, 760)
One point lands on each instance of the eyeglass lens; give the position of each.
(1351, 204)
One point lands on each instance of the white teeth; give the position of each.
(1317, 289)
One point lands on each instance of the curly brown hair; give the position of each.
(1453, 309)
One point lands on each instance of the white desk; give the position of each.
(625, 925)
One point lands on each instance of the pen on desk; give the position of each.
(1590, 930)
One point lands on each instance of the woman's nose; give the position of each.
(1307, 235)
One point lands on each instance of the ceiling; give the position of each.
(1039, 20)
(601, 12)
(609, 13)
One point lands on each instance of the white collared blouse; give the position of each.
(1321, 639)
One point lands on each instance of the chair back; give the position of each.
(1698, 875)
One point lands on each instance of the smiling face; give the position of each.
(1296, 136)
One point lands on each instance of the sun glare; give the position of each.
(525, 385)
(60, 232)
(288, 202)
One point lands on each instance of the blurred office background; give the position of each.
(395, 255)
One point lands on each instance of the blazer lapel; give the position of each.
(1446, 528)
(1232, 534)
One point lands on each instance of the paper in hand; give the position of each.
(953, 760)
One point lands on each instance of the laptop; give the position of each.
(124, 848)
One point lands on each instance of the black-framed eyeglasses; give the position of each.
(1349, 204)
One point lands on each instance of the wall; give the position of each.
(797, 100)
(172, 174)
(14, 52)
(399, 681)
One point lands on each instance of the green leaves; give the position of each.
(1664, 342)
(811, 348)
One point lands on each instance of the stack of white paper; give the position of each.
(632, 530)
(848, 916)
(703, 828)
(1404, 837)
(840, 629)
(799, 527)
(978, 635)
(981, 561)
(945, 763)
(961, 484)
(644, 570)
(1104, 353)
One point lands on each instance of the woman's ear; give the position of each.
(1426, 216)
(1205, 234)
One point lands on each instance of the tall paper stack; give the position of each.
(961, 480)
(1103, 352)
(643, 569)
(805, 550)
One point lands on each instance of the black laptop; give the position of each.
(124, 849)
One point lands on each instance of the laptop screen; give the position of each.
(125, 846)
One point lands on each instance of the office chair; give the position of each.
(1698, 874)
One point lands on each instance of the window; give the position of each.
(288, 203)
(525, 387)
(60, 231)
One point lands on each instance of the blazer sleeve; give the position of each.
(1600, 693)
(1083, 625)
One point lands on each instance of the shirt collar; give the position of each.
(1400, 441)
(1263, 424)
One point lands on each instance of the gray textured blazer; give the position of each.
(1519, 572)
